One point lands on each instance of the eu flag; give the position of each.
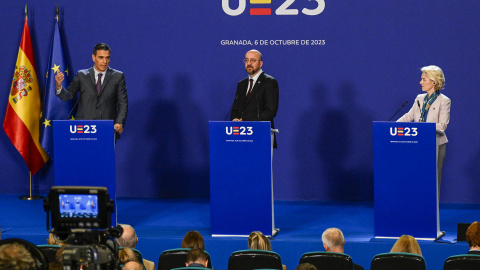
(53, 107)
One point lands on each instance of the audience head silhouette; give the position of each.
(197, 257)
(125, 255)
(333, 240)
(407, 244)
(15, 256)
(132, 265)
(193, 239)
(473, 235)
(129, 237)
(256, 240)
(306, 266)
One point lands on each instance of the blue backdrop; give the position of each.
(180, 76)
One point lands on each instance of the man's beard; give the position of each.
(254, 71)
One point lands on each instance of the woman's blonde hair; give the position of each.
(126, 254)
(435, 74)
(407, 244)
(256, 240)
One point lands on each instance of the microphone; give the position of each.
(229, 110)
(75, 105)
(398, 110)
(420, 108)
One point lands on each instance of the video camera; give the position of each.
(81, 218)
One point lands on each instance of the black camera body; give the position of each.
(79, 208)
(81, 218)
(89, 257)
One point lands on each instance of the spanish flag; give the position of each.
(22, 119)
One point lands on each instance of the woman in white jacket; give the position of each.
(432, 107)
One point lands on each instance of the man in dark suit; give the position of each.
(103, 92)
(333, 241)
(256, 98)
(473, 238)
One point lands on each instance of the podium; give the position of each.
(241, 179)
(405, 180)
(84, 154)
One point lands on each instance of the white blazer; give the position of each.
(439, 113)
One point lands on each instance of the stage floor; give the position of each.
(161, 224)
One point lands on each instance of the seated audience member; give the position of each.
(129, 239)
(257, 240)
(196, 258)
(407, 244)
(193, 239)
(125, 255)
(333, 241)
(306, 266)
(132, 265)
(14, 256)
(473, 238)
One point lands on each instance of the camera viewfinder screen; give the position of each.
(78, 206)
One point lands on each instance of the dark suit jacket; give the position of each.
(475, 252)
(262, 103)
(112, 103)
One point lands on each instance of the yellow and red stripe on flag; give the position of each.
(22, 119)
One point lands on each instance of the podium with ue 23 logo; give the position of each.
(405, 180)
(241, 179)
(84, 154)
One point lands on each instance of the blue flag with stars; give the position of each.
(53, 107)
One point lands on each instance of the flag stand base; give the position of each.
(30, 197)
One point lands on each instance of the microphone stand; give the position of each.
(398, 110)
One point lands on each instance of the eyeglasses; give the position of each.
(253, 61)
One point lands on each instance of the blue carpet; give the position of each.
(161, 225)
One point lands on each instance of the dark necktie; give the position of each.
(99, 83)
(249, 89)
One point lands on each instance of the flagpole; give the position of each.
(29, 197)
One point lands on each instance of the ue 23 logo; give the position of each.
(281, 10)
